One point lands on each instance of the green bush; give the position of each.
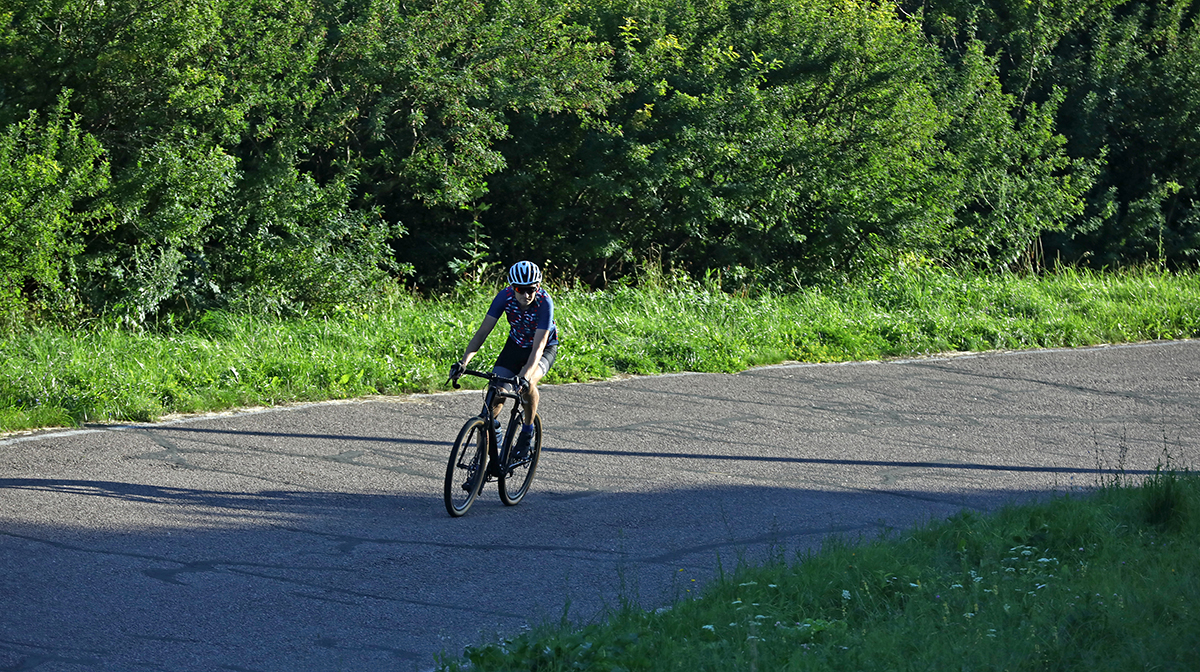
(288, 156)
(48, 172)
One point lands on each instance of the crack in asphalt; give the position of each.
(245, 568)
(772, 538)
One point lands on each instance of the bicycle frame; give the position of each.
(494, 390)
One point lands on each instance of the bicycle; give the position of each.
(477, 451)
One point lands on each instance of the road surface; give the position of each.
(314, 537)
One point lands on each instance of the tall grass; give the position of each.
(51, 375)
(1078, 583)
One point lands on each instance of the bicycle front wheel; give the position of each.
(467, 468)
(518, 472)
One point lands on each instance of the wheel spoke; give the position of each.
(518, 475)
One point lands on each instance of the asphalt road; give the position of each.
(314, 537)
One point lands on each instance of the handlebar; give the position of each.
(487, 375)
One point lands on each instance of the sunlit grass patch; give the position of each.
(51, 375)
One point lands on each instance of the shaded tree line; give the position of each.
(1126, 76)
(160, 157)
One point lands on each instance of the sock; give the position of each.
(527, 429)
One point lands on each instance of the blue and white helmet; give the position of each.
(524, 273)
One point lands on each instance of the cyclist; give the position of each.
(532, 340)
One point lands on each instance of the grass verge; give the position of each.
(1089, 583)
(55, 376)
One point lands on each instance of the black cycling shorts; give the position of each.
(513, 358)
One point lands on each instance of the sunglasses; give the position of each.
(528, 290)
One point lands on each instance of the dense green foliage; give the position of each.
(1096, 582)
(279, 155)
(785, 139)
(1127, 74)
(262, 153)
(44, 170)
(52, 375)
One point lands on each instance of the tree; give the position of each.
(271, 151)
(776, 134)
(1121, 77)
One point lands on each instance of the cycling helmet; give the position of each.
(524, 273)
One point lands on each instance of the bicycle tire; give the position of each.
(467, 468)
(520, 474)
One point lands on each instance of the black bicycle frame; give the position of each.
(489, 401)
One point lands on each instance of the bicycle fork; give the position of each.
(493, 439)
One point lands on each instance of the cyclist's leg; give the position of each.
(532, 397)
(508, 363)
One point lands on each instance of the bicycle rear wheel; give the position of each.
(516, 476)
(467, 468)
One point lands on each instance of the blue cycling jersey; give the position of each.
(522, 323)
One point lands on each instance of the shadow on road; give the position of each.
(266, 500)
(856, 463)
(293, 435)
(179, 578)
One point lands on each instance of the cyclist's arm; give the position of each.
(540, 337)
(480, 336)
